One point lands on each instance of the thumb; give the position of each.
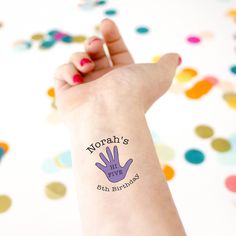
(158, 76)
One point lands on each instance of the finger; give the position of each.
(103, 158)
(119, 53)
(94, 47)
(66, 76)
(127, 164)
(116, 155)
(82, 62)
(100, 166)
(109, 154)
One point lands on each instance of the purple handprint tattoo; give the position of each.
(112, 169)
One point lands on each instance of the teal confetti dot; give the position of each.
(52, 33)
(65, 159)
(142, 30)
(67, 39)
(1, 153)
(233, 69)
(110, 12)
(48, 43)
(101, 2)
(194, 156)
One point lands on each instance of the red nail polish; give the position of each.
(180, 61)
(77, 79)
(85, 61)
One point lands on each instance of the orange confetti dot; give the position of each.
(4, 146)
(199, 89)
(51, 92)
(168, 172)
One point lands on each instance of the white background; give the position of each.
(205, 205)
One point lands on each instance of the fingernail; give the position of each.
(180, 60)
(77, 79)
(93, 40)
(85, 61)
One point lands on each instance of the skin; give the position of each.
(113, 100)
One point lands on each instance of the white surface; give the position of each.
(204, 204)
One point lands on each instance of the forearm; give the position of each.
(139, 204)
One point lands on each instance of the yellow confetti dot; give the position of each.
(230, 98)
(55, 190)
(164, 152)
(232, 13)
(79, 38)
(204, 131)
(186, 75)
(156, 58)
(221, 144)
(5, 203)
(37, 37)
(169, 172)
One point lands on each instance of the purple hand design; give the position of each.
(112, 169)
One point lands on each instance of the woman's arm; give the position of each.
(121, 188)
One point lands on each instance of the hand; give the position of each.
(92, 76)
(112, 169)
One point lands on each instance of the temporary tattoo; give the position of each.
(112, 169)
(106, 141)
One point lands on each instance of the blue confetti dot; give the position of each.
(67, 39)
(233, 69)
(47, 43)
(194, 156)
(49, 166)
(110, 12)
(142, 30)
(65, 159)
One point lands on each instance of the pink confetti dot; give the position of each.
(230, 183)
(59, 35)
(193, 39)
(211, 79)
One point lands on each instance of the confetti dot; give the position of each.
(142, 30)
(79, 38)
(168, 172)
(200, 89)
(232, 139)
(52, 33)
(101, 2)
(221, 145)
(233, 69)
(193, 39)
(1, 153)
(164, 152)
(230, 98)
(37, 37)
(204, 131)
(22, 45)
(49, 166)
(194, 156)
(110, 12)
(51, 92)
(230, 183)
(46, 44)
(55, 190)
(232, 13)
(64, 159)
(185, 75)
(67, 39)
(4, 146)
(5, 203)
(156, 58)
(227, 158)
